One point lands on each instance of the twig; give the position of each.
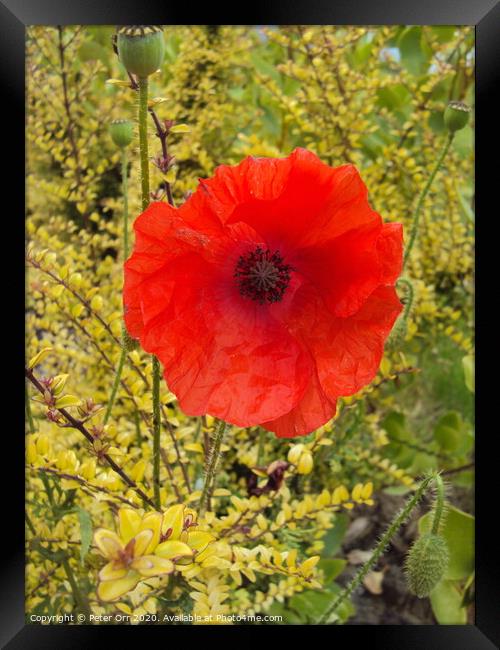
(76, 424)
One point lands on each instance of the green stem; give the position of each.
(80, 600)
(48, 490)
(156, 431)
(125, 202)
(439, 505)
(379, 549)
(29, 414)
(421, 198)
(144, 158)
(116, 383)
(143, 140)
(29, 522)
(410, 295)
(211, 468)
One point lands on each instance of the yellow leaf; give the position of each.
(194, 446)
(118, 82)
(180, 128)
(154, 101)
(170, 176)
(39, 357)
(221, 492)
(67, 400)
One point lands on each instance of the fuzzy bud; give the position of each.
(128, 342)
(456, 116)
(141, 48)
(122, 132)
(426, 564)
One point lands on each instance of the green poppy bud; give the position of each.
(456, 116)
(141, 48)
(426, 564)
(121, 132)
(128, 342)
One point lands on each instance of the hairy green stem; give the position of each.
(29, 414)
(439, 505)
(143, 140)
(125, 202)
(211, 468)
(410, 295)
(116, 383)
(156, 431)
(398, 521)
(421, 198)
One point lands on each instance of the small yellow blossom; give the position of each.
(146, 546)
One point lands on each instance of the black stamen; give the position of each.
(262, 275)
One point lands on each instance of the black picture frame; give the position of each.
(14, 16)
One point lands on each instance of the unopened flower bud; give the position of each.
(141, 48)
(295, 453)
(128, 342)
(456, 116)
(426, 564)
(305, 463)
(122, 132)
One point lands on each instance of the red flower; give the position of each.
(268, 294)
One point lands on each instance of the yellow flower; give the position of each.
(147, 546)
(129, 553)
(362, 493)
(180, 538)
(300, 456)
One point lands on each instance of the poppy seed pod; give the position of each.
(121, 132)
(141, 48)
(426, 564)
(456, 116)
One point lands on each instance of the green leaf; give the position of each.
(469, 375)
(458, 531)
(397, 490)
(436, 121)
(446, 601)
(85, 532)
(333, 538)
(331, 567)
(463, 141)
(444, 33)
(265, 68)
(393, 97)
(92, 51)
(448, 431)
(423, 463)
(312, 605)
(413, 55)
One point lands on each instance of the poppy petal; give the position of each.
(390, 251)
(313, 411)
(348, 351)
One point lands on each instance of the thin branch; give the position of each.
(77, 424)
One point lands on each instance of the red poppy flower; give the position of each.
(268, 294)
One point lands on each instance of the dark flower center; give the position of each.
(262, 276)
